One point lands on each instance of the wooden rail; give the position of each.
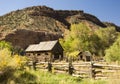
(84, 69)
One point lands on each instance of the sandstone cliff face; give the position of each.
(22, 38)
(38, 23)
(62, 15)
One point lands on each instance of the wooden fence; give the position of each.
(84, 69)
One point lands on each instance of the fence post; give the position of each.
(92, 70)
(70, 70)
(49, 67)
(34, 65)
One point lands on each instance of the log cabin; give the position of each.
(45, 51)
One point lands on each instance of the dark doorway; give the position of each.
(56, 56)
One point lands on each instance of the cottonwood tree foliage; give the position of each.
(107, 37)
(83, 38)
(113, 53)
(80, 38)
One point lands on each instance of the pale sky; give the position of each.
(105, 10)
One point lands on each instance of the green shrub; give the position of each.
(4, 44)
(9, 63)
(15, 61)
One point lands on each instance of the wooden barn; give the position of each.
(45, 51)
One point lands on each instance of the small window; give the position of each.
(38, 54)
(46, 53)
(28, 54)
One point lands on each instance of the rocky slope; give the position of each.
(38, 23)
(22, 37)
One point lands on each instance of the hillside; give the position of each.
(40, 23)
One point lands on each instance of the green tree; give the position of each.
(80, 37)
(113, 53)
(106, 36)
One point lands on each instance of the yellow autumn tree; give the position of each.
(9, 60)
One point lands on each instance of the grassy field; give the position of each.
(41, 77)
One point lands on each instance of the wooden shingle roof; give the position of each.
(42, 46)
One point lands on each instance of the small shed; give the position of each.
(45, 51)
(85, 56)
(78, 55)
